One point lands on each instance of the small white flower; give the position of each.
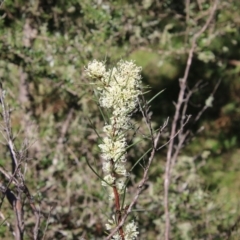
(121, 89)
(129, 69)
(107, 167)
(131, 231)
(117, 237)
(113, 149)
(111, 195)
(120, 184)
(96, 69)
(108, 179)
(111, 224)
(120, 169)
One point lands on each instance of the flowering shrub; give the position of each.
(118, 89)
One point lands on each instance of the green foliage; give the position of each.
(44, 48)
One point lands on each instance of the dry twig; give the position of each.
(17, 176)
(172, 152)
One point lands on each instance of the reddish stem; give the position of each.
(117, 205)
(118, 210)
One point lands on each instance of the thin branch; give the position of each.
(37, 222)
(47, 223)
(11, 179)
(207, 106)
(187, 10)
(144, 111)
(17, 176)
(183, 85)
(19, 225)
(118, 210)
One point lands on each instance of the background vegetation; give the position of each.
(44, 48)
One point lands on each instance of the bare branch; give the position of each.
(206, 106)
(171, 155)
(17, 176)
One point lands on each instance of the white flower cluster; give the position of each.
(130, 230)
(95, 69)
(119, 89)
